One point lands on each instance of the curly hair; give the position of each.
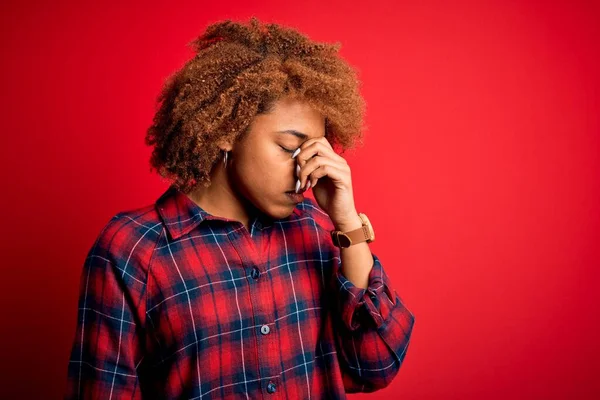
(239, 71)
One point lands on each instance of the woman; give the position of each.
(232, 285)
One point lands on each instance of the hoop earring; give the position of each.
(225, 159)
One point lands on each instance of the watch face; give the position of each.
(369, 227)
(371, 233)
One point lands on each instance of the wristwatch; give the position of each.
(363, 234)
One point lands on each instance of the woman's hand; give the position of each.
(320, 167)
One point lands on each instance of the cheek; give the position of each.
(266, 169)
(272, 172)
(277, 175)
(272, 162)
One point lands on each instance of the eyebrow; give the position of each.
(299, 135)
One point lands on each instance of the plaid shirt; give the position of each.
(177, 303)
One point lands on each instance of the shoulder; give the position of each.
(128, 238)
(130, 226)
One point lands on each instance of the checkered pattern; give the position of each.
(177, 303)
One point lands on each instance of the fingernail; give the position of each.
(297, 170)
(297, 185)
(308, 185)
(296, 152)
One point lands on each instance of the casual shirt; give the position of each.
(177, 303)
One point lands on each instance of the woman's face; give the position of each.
(262, 170)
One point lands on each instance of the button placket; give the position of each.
(255, 259)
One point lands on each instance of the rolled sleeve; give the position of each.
(376, 330)
(373, 305)
(372, 326)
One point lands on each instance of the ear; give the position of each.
(224, 145)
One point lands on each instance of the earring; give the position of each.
(225, 158)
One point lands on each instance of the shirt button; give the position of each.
(271, 387)
(255, 273)
(265, 329)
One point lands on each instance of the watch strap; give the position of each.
(363, 234)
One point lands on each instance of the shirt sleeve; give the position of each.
(106, 347)
(374, 329)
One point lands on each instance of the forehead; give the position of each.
(292, 118)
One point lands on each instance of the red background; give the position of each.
(480, 173)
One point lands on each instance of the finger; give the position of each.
(321, 139)
(316, 163)
(324, 140)
(316, 148)
(311, 142)
(333, 172)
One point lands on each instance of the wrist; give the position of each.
(350, 223)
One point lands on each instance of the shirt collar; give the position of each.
(180, 214)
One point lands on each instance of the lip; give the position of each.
(296, 197)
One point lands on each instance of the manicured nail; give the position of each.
(297, 185)
(308, 185)
(297, 170)
(296, 152)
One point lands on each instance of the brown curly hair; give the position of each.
(239, 71)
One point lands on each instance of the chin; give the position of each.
(277, 211)
(280, 212)
(270, 208)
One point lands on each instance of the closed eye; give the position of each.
(287, 150)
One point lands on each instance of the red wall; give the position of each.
(480, 173)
